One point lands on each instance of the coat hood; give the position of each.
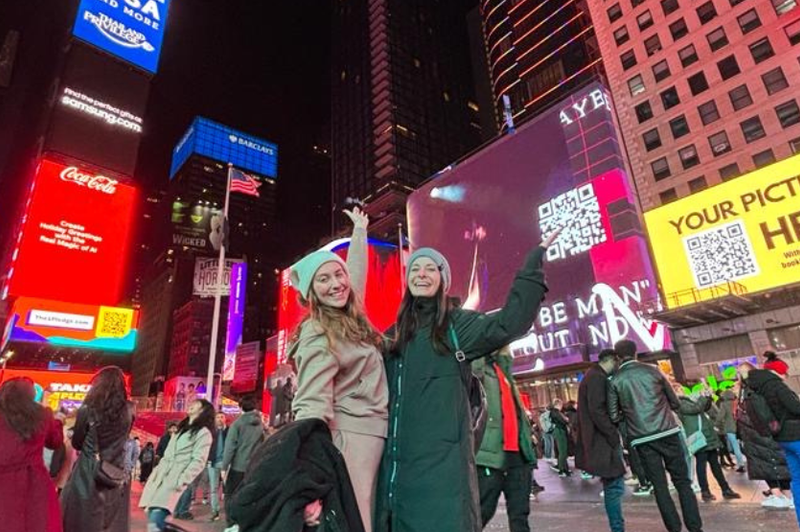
(252, 417)
(758, 378)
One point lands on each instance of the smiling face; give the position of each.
(331, 285)
(424, 278)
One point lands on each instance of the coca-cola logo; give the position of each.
(100, 183)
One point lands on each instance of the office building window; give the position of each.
(782, 6)
(735, 3)
(636, 85)
(678, 29)
(761, 50)
(614, 13)
(719, 143)
(652, 140)
(669, 98)
(669, 6)
(660, 169)
(752, 129)
(774, 80)
(688, 55)
(697, 184)
(668, 196)
(740, 97)
(794, 145)
(628, 60)
(793, 32)
(688, 157)
(706, 12)
(652, 45)
(621, 35)
(728, 67)
(661, 70)
(749, 21)
(698, 83)
(708, 112)
(645, 20)
(644, 111)
(763, 158)
(636, 3)
(729, 172)
(717, 39)
(679, 127)
(788, 113)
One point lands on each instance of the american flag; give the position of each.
(244, 183)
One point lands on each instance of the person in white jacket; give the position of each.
(184, 459)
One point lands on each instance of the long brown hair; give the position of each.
(408, 321)
(18, 409)
(349, 323)
(108, 396)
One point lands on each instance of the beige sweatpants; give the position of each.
(362, 454)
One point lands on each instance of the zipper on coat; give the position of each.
(396, 409)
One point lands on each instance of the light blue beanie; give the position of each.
(438, 259)
(303, 271)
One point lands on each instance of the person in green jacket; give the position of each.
(428, 480)
(506, 457)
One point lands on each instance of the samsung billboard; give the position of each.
(221, 143)
(132, 30)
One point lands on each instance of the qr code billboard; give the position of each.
(578, 212)
(721, 254)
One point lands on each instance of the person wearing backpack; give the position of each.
(506, 456)
(547, 434)
(781, 417)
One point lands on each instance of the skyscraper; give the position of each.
(538, 52)
(403, 103)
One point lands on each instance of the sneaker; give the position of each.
(729, 495)
(205, 502)
(537, 488)
(214, 517)
(586, 476)
(696, 488)
(565, 474)
(554, 468)
(643, 491)
(773, 502)
(708, 496)
(633, 481)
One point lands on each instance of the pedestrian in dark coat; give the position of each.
(428, 479)
(28, 500)
(561, 435)
(102, 427)
(599, 446)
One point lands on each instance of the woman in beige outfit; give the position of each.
(340, 373)
(184, 459)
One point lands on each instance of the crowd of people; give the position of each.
(419, 428)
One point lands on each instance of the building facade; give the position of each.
(538, 52)
(705, 91)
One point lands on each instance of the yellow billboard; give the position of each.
(742, 236)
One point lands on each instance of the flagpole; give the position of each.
(400, 258)
(212, 353)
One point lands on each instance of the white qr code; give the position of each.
(721, 254)
(578, 212)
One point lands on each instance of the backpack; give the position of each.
(475, 392)
(546, 423)
(761, 416)
(147, 456)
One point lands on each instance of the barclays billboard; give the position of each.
(132, 30)
(225, 145)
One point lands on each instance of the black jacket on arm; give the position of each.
(641, 396)
(598, 443)
(297, 465)
(783, 402)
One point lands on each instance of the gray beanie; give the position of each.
(302, 273)
(436, 257)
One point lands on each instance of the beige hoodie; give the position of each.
(344, 384)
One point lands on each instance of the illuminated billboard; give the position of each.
(132, 30)
(206, 283)
(562, 169)
(741, 236)
(73, 325)
(57, 389)
(221, 143)
(235, 321)
(381, 301)
(74, 237)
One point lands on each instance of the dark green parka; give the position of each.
(428, 479)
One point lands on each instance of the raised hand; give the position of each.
(551, 237)
(359, 218)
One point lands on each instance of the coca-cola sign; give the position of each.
(100, 183)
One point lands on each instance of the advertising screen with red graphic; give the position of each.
(57, 389)
(384, 291)
(73, 241)
(561, 170)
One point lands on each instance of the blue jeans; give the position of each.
(792, 451)
(736, 449)
(185, 502)
(156, 519)
(548, 444)
(213, 486)
(613, 491)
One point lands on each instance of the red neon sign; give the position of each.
(74, 237)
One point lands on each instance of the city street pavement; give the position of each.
(574, 505)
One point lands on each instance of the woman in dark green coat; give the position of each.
(427, 480)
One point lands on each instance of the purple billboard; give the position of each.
(562, 169)
(233, 336)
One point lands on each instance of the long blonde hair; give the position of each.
(349, 324)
